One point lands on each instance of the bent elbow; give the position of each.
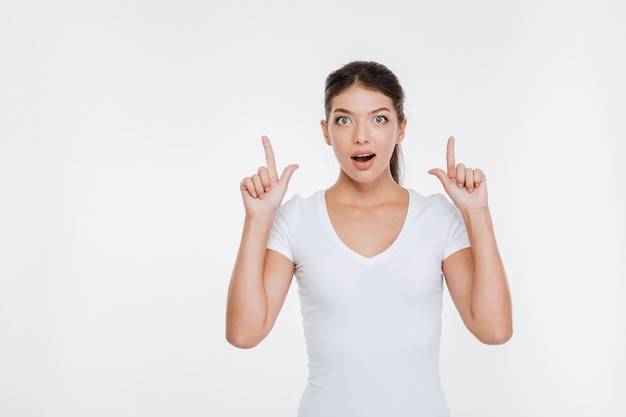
(494, 333)
(499, 339)
(241, 341)
(242, 344)
(497, 336)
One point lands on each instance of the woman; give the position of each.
(369, 256)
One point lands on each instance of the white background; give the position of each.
(126, 126)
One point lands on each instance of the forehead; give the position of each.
(357, 98)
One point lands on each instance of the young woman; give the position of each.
(369, 257)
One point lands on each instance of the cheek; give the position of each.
(390, 137)
(338, 136)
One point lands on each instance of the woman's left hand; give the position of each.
(465, 186)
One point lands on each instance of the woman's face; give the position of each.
(363, 129)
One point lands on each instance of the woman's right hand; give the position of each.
(263, 192)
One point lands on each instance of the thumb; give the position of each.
(287, 173)
(441, 174)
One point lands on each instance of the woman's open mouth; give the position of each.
(363, 160)
(363, 157)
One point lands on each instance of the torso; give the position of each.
(371, 323)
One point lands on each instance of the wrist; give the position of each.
(259, 219)
(476, 215)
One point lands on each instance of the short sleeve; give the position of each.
(457, 233)
(279, 239)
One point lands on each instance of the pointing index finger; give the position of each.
(451, 162)
(269, 157)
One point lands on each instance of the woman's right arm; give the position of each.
(261, 277)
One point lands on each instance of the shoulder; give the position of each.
(297, 200)
(296, 218)
(436, 205)
(439, 219)
(297, 205)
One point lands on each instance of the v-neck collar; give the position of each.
(327, 224)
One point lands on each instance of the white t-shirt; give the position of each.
(372, 325)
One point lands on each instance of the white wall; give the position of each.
(126, 126)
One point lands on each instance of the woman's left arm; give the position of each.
(475, 276)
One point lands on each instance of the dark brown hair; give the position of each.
(374, 76)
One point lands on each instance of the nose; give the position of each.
(360, 135)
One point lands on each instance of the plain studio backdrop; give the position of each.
(126, 127)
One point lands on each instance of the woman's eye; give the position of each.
(343, 120)
(380, 119)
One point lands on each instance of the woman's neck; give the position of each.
(381, 191)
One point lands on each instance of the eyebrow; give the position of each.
(340, 110)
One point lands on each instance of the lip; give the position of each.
(362, 152)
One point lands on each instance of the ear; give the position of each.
(401, 131)
(324, 125)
